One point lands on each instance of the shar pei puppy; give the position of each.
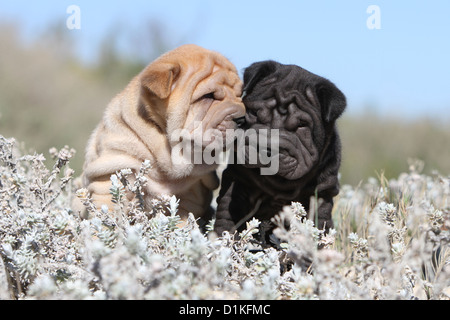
(190, 89)
(302, 109)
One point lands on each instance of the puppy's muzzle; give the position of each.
(240, 121)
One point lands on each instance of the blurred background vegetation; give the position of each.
(50, 98)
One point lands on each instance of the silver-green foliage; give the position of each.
(391, 241)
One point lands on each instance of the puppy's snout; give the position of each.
(240, 121)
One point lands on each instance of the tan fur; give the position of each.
(138, 122)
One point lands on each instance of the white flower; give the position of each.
(104, 209)
(173, 205)
(126, 171)
(298, 209)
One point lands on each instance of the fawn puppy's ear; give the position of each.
(158, 78)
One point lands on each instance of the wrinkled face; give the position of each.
(301, 105)
(215, 105)
(193, 96)
(196, 91)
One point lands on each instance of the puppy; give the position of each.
(303, 107)
(190, 89)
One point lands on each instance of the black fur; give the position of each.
(304, 107)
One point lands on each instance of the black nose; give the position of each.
(239, 121)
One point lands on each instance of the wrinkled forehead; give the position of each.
(211, 70)
(285, 79)
(219, 81)
(202, 66)
(226, 75)
(212, 63)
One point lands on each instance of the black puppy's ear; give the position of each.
(332, 101)
(256, 72)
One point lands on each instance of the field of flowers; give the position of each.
(391, 241)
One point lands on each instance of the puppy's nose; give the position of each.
(240, 121)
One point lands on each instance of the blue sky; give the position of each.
(401, 69)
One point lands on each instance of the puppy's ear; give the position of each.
(159, 77)
(256, 72)
(332, 101)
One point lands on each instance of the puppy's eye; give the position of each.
(207, 96)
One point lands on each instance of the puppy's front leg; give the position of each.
(232, 204)
(324, 218)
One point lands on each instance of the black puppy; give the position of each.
(304, 108)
